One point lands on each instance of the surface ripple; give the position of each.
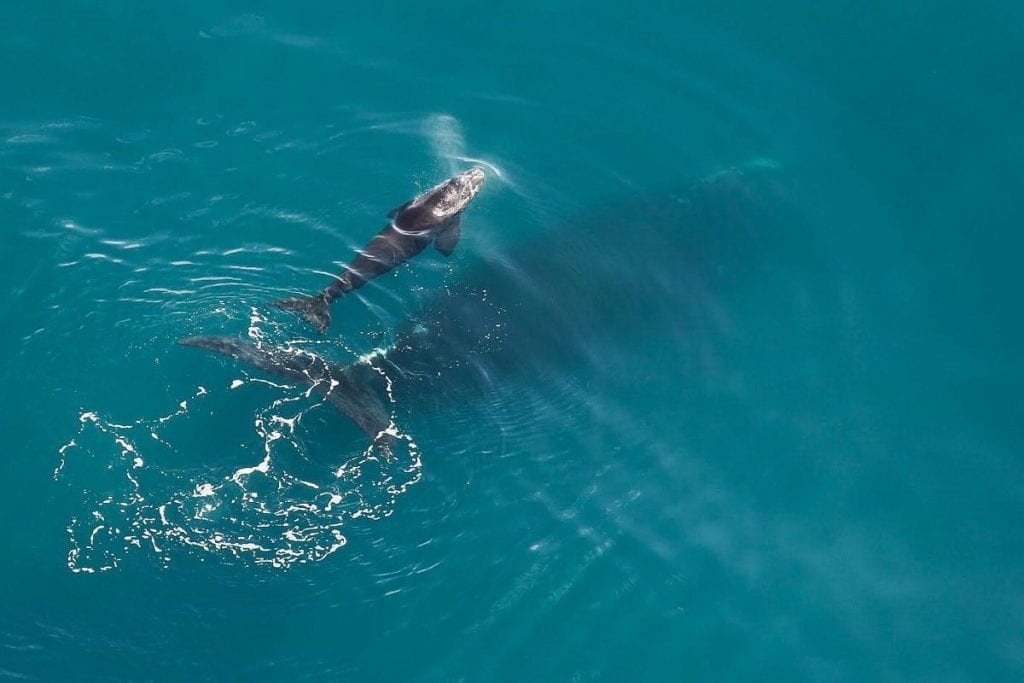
(719, 383)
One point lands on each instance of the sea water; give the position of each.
(732, 428)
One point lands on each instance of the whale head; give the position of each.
(453, 195)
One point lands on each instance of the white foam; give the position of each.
(203, 490)
(291, 521)
(263, 467)
(379, 352)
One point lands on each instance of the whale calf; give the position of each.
(434, 216)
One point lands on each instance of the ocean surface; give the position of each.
(722, 382)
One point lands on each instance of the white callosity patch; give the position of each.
(260, 514)
(454, 194)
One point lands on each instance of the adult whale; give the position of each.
(433, 216)
(619, 278)
(351, 389)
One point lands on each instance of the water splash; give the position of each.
(446, 140)
(261, 514)
(444, 132)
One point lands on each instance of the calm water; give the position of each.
(722, 382)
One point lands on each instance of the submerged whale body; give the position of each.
(432, 217)
(350, 389)
(623, 275)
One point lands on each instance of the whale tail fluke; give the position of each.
(353, 389)
(315, 309)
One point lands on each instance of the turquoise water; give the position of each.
(722, 382)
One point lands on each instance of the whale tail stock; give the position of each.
(353, 389)
(314, 309)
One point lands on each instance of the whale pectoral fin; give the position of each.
(445, 241)
(398, 209)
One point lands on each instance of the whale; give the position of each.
(623, 276)
(432, 217)
(351, 388)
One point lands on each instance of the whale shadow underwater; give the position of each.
(635, 276)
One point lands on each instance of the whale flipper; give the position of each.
(447, 239)
(351, 389)
(314, 309)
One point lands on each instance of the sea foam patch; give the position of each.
(263, 513)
